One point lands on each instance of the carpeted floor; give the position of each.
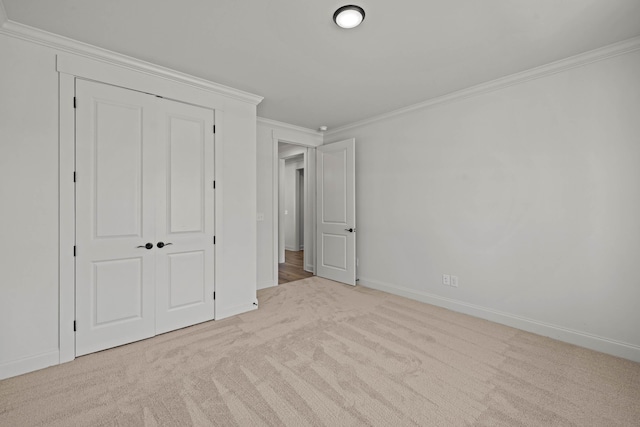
(322, 353)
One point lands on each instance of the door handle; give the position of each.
(162, 244)
(350, 230)
(147, 246)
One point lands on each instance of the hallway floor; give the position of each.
(292, 267)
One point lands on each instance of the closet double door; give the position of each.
(144, 216)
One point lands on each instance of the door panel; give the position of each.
(185, 213)
(186, 174)
(117, 291)
(118, 169)
(334, 186)
(336, 207)
(335, 251)
(115, 287)
(186, 279)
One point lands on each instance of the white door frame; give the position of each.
(70, 67)
(310, 220)
(280, 201)
(301, 179)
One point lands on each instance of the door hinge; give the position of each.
(74, 251)
(214, 128)
(74, 176)
(214, 240)
(74, 102)
(74, 326)
(214, 185)
(214, 295)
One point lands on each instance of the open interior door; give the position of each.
(336, 212)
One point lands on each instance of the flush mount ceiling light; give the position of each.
(348, 16)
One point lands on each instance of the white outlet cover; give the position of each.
(446, 279)
(454, 281)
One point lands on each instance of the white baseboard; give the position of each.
(582, 339)
(232, 311)
(267, 284)
(29, 364)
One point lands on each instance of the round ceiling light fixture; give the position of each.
(349, 16)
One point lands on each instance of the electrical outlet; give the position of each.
(454, 281)
(446, 279)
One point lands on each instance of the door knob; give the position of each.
(162, 244)
(350, 230)
(147, 246)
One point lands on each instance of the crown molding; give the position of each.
(75, 47)
(287, 126)
(292, 134)
(576, 61)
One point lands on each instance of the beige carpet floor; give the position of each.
(321, 353)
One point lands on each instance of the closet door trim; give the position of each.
(69, 67)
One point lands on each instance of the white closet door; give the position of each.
(185, 217)
(144, 216)
(115, 216)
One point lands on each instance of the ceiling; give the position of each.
(313, 73)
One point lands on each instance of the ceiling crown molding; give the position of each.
(576, 61)
(75, 47)
(287, 126)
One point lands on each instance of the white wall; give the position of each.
(530, 194)
(291, 224)
(268, 134)
(29, 204)
(286, 219)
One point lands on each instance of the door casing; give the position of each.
(309, 203)
(177, 88)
